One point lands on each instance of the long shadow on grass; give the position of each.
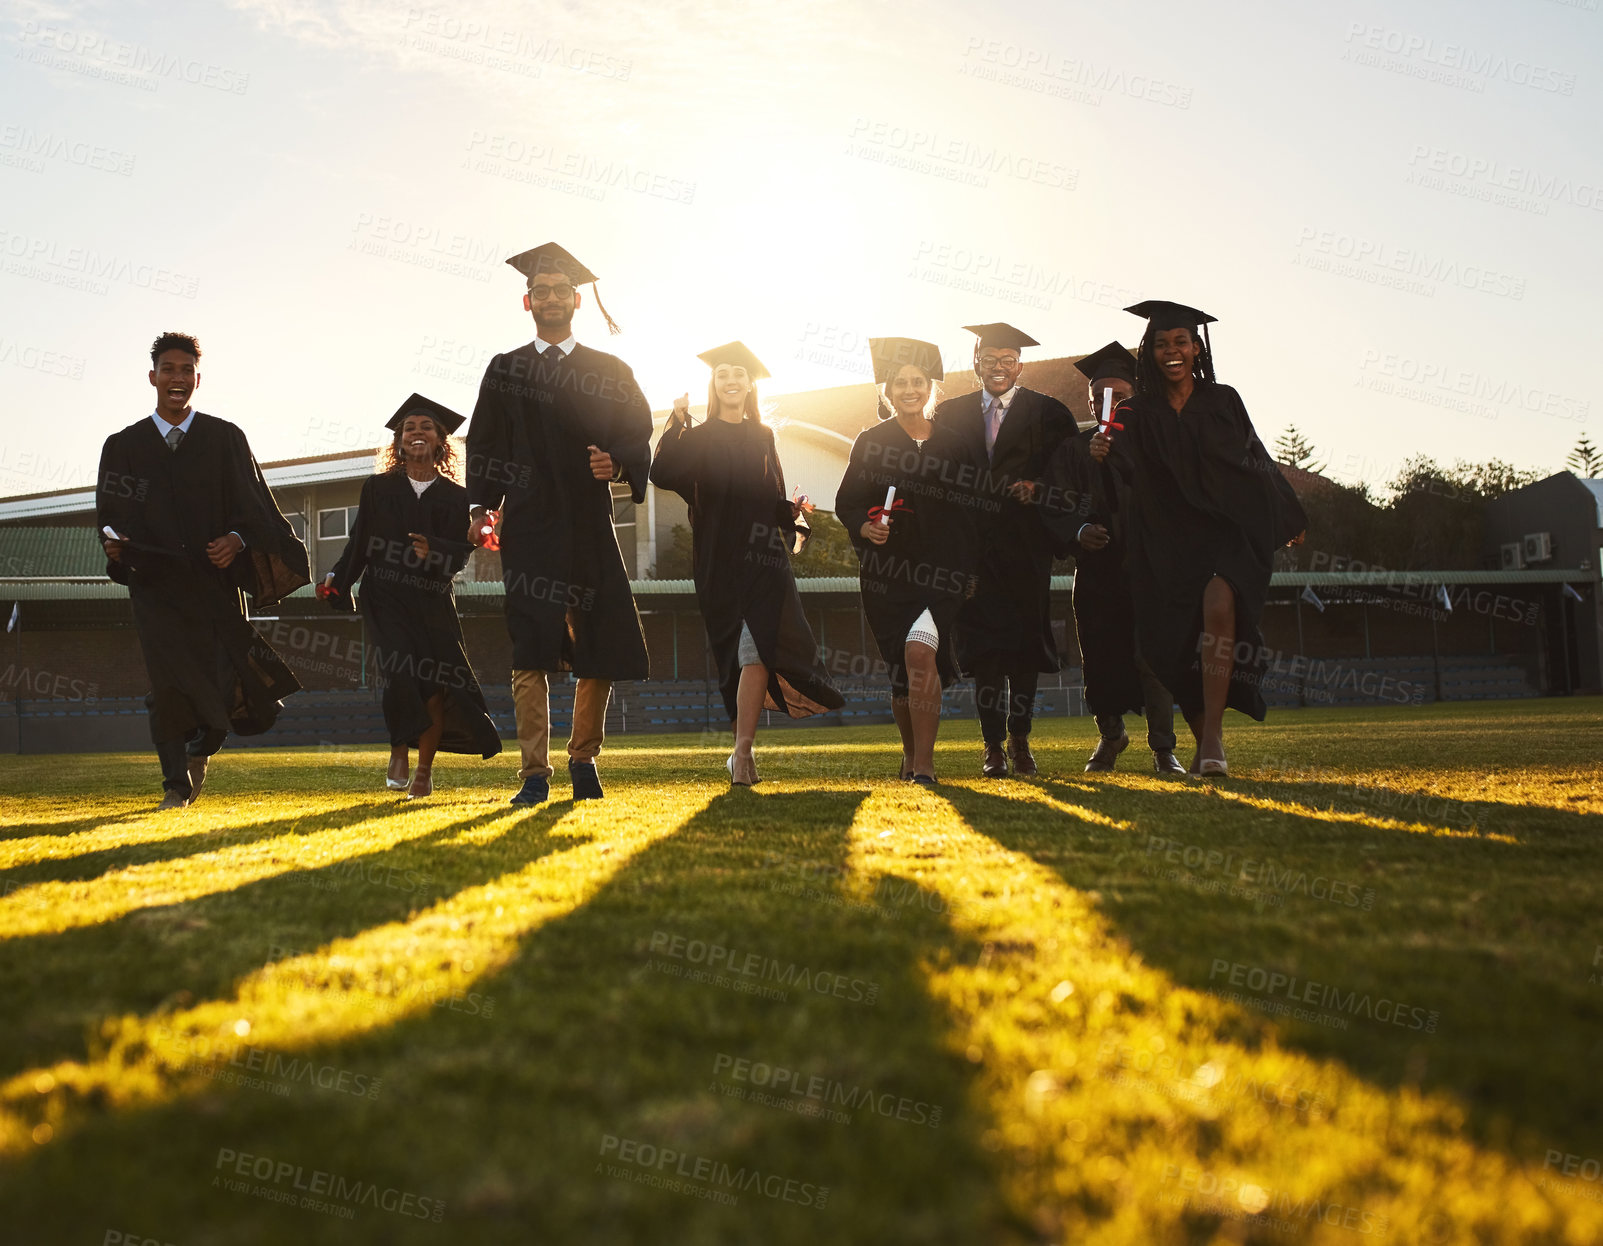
(176, 954)
(1370, 912)
(99, 861)
(546, 1120)
(24, 830)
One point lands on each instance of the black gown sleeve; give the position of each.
(677, 464)
(631, 445)
(274, 562)
(115, 492)
(856, 492)
(795, 527)
(488, 443)
(1289, 518)
(445, 536)
(353, 558)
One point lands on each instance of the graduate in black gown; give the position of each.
(1089, 527)
(195, 528)
(1004, 634)
(405, 547)
(919, 557)
(744, 528)
(1208, 509)
(556, 425)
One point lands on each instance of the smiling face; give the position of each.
(998, 368)
(730, 385)
(909, 390)
(175, 377)
(1175, 351)
(419, 439)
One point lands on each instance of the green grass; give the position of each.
(1009, 1008)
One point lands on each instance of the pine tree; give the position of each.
(1586, 459)
(1295, 450)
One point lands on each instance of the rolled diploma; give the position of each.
(890, 496)
(1107, 408)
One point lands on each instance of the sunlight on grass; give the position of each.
(1131, 1109)
(375, 979)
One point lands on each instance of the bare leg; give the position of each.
(749, 699)
(923, 704)
(904, 724)
(1218, 660)
(400, 763)
(427, 744)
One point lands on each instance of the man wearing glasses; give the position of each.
(1004, 635)
(556, 423)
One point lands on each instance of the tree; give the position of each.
(1586, 459)
(1295, 450)
(828, 551)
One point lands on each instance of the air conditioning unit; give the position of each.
(1513, 556)
(1538, 546)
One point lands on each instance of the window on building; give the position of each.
(335, 524)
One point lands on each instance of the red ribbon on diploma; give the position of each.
(897, 507)
(325, 590)
(491, 542)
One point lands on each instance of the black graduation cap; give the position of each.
(737, 353)
(552, 258)
(1166, 315)
(1002, 335)
(1110, 360)
(891, 353)
(448, 420)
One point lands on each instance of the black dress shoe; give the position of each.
(1107, 752)
(1018, 751)
(1165, 762)
(586, 782)
(995, 766)
(197, 776)
(925, 780)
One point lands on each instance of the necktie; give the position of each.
(551, 354)
(993, 425)
(174, 436)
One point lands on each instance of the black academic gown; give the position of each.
(1010, 613)
(932, 552)
(413, 629)
(742, 536)
(1205, 498)
(1080, 492)
(208, 667)
(568, 604)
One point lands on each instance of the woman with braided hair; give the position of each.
(1208, 509)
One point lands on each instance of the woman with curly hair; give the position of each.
(405, 547)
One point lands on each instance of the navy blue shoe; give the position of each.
(535, 791)
(586, 782)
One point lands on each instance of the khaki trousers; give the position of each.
(531, 698)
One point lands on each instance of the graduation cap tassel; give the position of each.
(612, 325)
(1207, 346)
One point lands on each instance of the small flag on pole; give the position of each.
(1569, 591)
(16, 616)
(1447, 603)
(1312, 598)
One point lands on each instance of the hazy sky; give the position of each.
(1395, 210)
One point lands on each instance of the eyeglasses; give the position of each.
(544, 292)
(994, 361)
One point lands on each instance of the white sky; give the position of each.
(300, 176)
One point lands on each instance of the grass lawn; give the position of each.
(1352, 994)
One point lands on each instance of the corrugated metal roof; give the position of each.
(29, 552)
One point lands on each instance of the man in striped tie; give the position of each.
(1004, 635)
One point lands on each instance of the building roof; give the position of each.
(32, 552)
